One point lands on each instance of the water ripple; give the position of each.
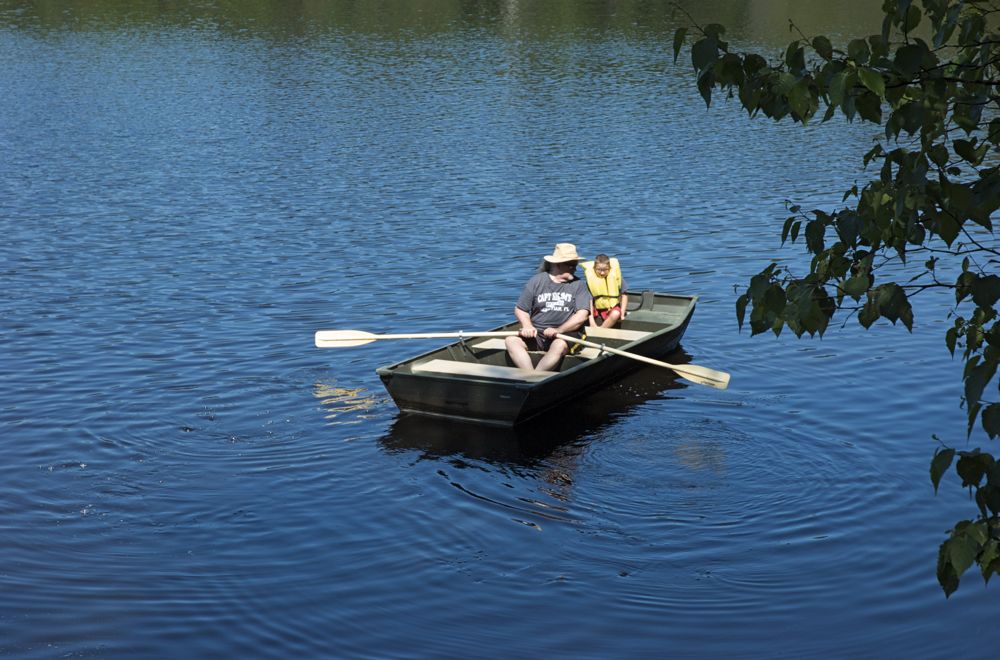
(188, 193)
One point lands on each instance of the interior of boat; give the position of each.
(487, 357)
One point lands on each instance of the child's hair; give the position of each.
(602, 259)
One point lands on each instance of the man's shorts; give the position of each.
(541, 343)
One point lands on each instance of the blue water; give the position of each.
(186, 198)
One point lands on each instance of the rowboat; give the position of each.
(473, 379)
(554, 431)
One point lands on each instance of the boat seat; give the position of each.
(482, 370)
(597, 332)
(496, 343)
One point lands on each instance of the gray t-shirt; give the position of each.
(549, 303)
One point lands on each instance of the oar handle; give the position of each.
(444, 335)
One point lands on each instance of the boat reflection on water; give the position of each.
(343, 405)
(539, 437)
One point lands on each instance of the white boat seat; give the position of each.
(596, 332)
(482, 370)
(497, 343)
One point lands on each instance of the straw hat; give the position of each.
(563, 252)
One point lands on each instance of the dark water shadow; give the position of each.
(538, 438)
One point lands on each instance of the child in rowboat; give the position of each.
(553, 302)
(607, 288)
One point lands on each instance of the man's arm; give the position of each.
(574, 322)
(527, 327)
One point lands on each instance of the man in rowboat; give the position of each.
(553, 302)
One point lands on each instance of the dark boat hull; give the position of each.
(499, 401)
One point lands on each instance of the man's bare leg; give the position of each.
(518, 352)
(556, 351)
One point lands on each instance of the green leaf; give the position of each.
(869, 313)
(946, 575)
(823, 47)
(812, 310)
(768, 301)
(760, 281)
(972, 467)
(967, 112)
(791, 223)
(993, 133)
(838, 87)
(896, 94)
(972, 27)
(679, 36)
(729, 71)
(988, 499)
(815, 231)
(991, 420)
(705, 83)
(857, 286)
(987, 560)
(910, 117)
(894, 305)
(977, 379)
(848, 226)
(715, 31)
(947, 228)
(986, 290)
(938, 154)
(973, 411)
(774, 299)
(962, 551)
(869, 106)
(741, 309)
(795, 58)
(909, 60)
(785, 83)
(704, 53)
(993, 336)
(873, 80)
(950, 339)
(858, 51)
(875, 152)
(967, 150)
(940, 464)
(913, 16)
(802, 101)
(963, 284)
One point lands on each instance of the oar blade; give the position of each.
(703, 375)
(343, 338)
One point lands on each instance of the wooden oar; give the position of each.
(691, 372)
(346, 338)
